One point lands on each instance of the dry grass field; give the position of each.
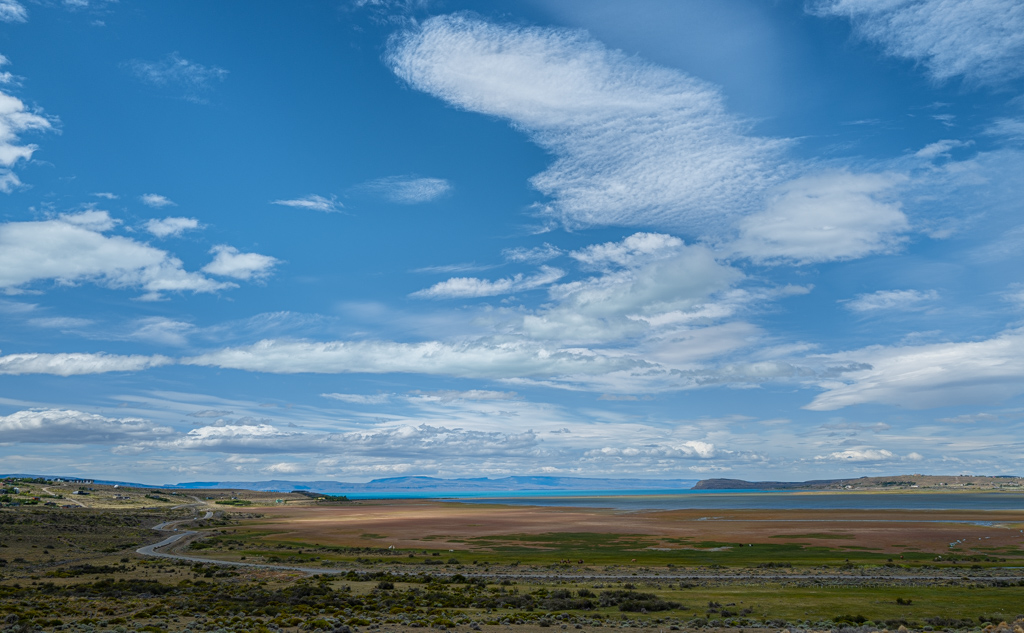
(478, 528)
(334, 565)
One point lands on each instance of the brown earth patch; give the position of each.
(434, 524)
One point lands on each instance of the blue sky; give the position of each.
(350, 240)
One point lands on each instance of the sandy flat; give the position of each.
(433, 524)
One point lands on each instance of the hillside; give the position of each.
(890, 482)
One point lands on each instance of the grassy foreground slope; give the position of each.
(402, 565)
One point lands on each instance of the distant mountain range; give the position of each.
(421, 486)
(394, 485)
(741, 484)
(891, 482)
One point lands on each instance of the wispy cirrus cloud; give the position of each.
(12, 11)
(312, 202)
(192, 79)
(639, 144)
(978, 40)
(634, 143)
(210, 413)
(470, 359)
(471, 395)
(355, 398)
(535, 255)
(1008, 128)
(76, 364)
(408, 189)
(161, 330)
(465, 287)
(924, 376)
(892, 300)
(60, 323)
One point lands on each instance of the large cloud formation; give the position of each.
(636, 144)
(981, 40)
(75, 248)
(61, 426)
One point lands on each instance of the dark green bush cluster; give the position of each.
(628, 600)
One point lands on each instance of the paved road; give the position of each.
(151, 550)
(168, 525)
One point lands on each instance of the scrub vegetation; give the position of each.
(77, 569)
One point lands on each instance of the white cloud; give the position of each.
(73, 249)
(60, 323)
(240, 438)
(704, 450)
(408, 189)
(420, 440)
(15, 119)
(312, 202)
(925, 376)
(175, 71)
(156, 201)
(54, 426)
(980, 40)
(536, 255)
(474, 395)
(106, 195)
(972, 418)
(645, 276)
(660, 304)
(171, 227)
(1007, 128)
(162, 330)
(229, 262)
(891, 300)
(76, 364)
(440, 441)
(93, 219)
(210, 413)
(16, 307)
(859, 455)
(353, 398)
(635, 143)
(462, 287)
(285, 468)
(939, 148)
(6, 77)
(825, 217)
(691, 449)
(1015, 295)
(629, 251)
(476, 359)
(12, 11)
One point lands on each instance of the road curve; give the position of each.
(166, 525)
(152, 550)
